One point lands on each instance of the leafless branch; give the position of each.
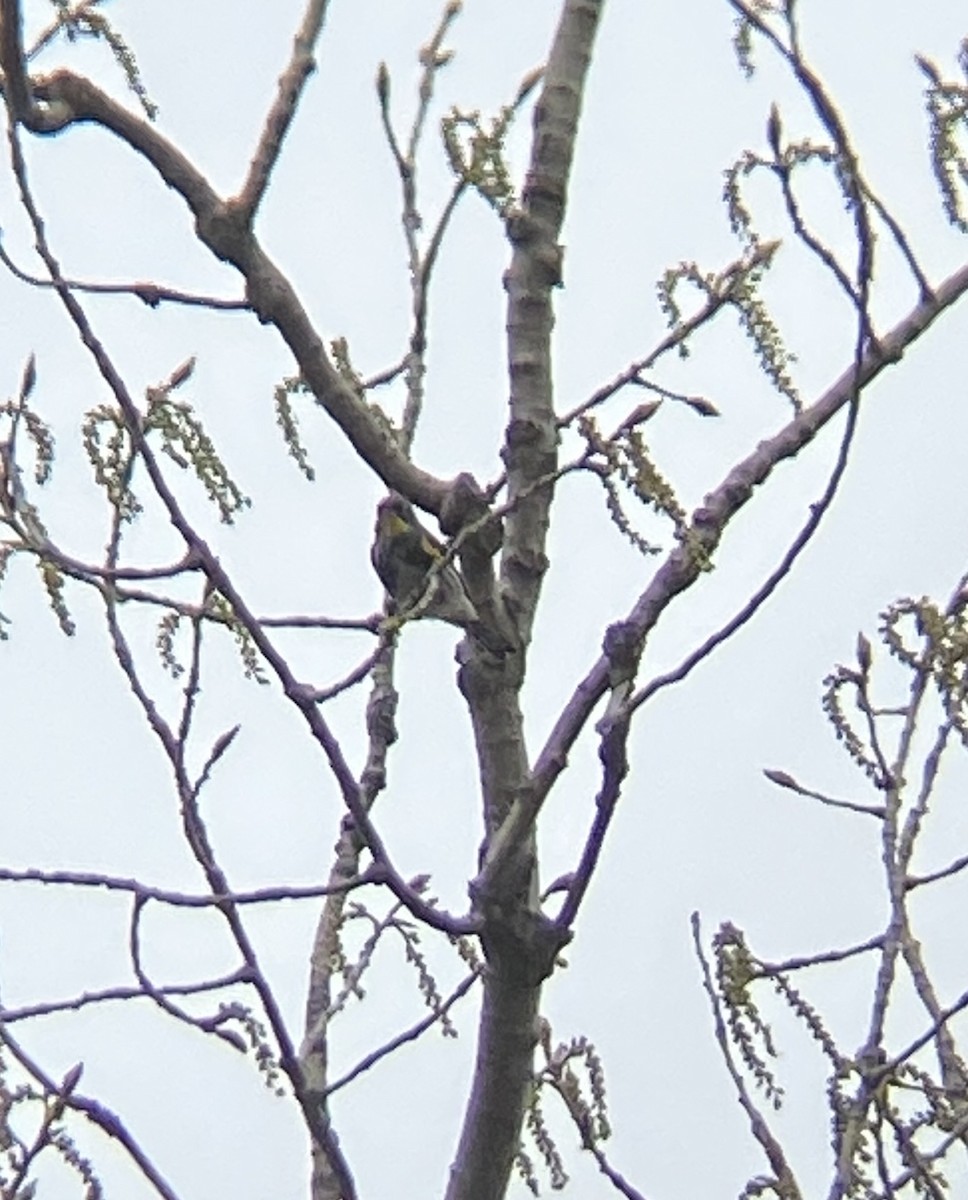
(152, 294)
(782, 779)
(63, 98)
(617, 1180)
(409, 1035)
(219, 580)
(825, 956)
(350, 680)
(292, 82)
(953, 868)
(98, 1114)
(161, 996)
(10, 1016)
(758, 255)
(817, 512)
(145, 892)
(708, 523)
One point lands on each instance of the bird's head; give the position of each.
(394, 515)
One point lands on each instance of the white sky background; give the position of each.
(84, 784)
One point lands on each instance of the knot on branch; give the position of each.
(521, 227)
(530, 446)
(521, 946)
(56, 109)
(465, 505)
(523, 433)
(465, 514)
(224, 227)
(622, 647)
(381, 710)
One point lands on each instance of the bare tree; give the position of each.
(895, 1118)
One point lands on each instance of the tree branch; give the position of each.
(223, 226)
(682, 566)
(100, 1116)
(291, 84)
(520, 943)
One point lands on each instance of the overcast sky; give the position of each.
(85, 786)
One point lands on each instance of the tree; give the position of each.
(210, 599)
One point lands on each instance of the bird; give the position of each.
(407, 558)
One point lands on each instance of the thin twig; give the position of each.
(758, 255)
(409, 1035)
(152, 294)
(291, 85)
(782, 779)
(221, 582)
(98, 1114)
(114, 883)
(825, 956)
(10, 1016)
(721, 506)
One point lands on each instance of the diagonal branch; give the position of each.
(817, 512)
(291, 84)
(408, 1035)
(53, 103)
(100, 1116)
(683, 565)
(200, 552)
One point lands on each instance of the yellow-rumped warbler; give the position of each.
(404, 555)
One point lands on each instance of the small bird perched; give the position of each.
(404, 556)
